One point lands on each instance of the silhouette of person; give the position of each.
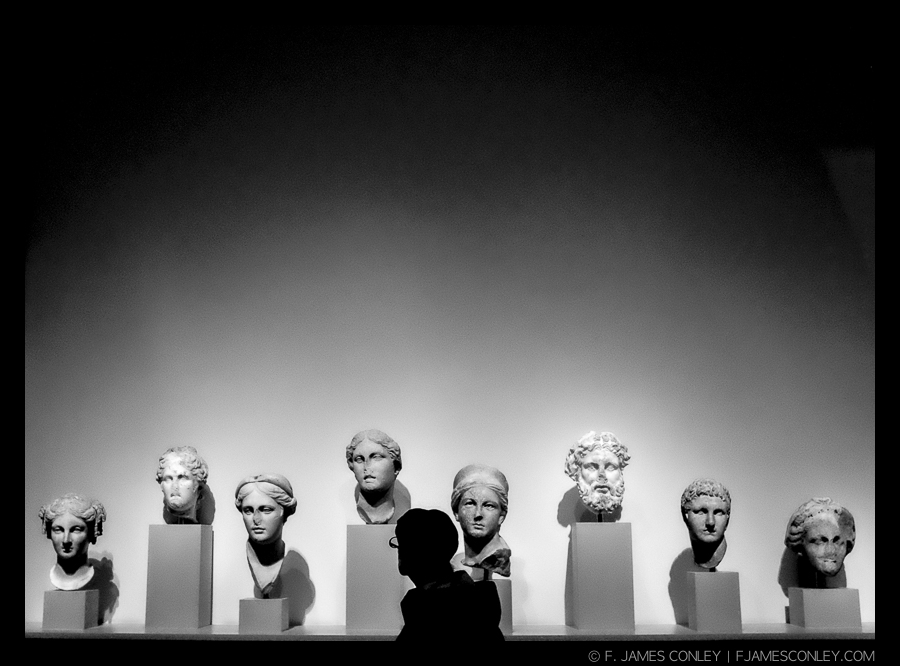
(443, 599)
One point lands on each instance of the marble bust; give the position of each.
(265, 501)
(480, 503)
(822, 533)
(374, 458)
(72, 523)
(596, 463)
(181, 475)
(706, 510)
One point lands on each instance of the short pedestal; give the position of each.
(374, 585)
(179, 577)
(71, 610)
(603, 577)
(714, 604)
(825, 609)
(263, 616)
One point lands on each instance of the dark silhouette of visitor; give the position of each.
(443, 600)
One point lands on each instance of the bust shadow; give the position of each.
(679, 590)
(295, 585)
(206, 508)
(104, 582)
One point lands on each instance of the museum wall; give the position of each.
(485, 275)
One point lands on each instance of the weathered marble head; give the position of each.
(72, 523)
(374, 458)
(596, 465)
(706, 510)
(265, 501)
(181, 475)
(480, 502)
(822, 533)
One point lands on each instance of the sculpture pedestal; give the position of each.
(602, 577)
(71, 610)
(504, 589)
(714, 604)
(824, 609)
(179, 577)
(263, 616)
(374, 585)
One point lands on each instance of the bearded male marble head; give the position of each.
(822, 533)
(706, 511)
(596, 464)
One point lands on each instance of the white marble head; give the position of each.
(181, 474)
(596, 464)
(265, 501)
(72, 523)
(823, 532)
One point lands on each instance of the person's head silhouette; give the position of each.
(425, 539)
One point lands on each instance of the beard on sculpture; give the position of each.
(600, 496)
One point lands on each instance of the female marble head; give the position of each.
(265, 501)
(90, 513)
(596, 464)
(480, 500)
(72, 523)
(823, 532)
(374, 458)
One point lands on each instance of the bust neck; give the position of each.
(708, 555)
(375, 508)
(71, 580)
(265, 562)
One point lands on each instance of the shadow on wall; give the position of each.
(104, 582)
(295, 585)
(679, 590)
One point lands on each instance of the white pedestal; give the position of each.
(71, 610)
(603, 577)
(374, 585)
(179, 577)
(263, 616)
(825, 609)
(715, 602)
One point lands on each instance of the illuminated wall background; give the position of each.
(484, 245)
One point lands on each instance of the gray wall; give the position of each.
(483, 251)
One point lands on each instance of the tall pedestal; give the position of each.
(603, 577)
(714, 602)
(825, 609)
(374, 585)
(179, 577)
(71, 610)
